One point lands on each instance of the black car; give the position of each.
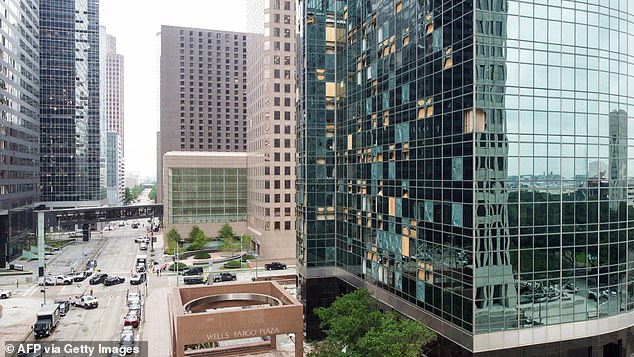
(113, 280)
(193, 271)
(137, 279)
(275, 266)
(224, 276)
(195, 279)
(98, 278)
(64, 306)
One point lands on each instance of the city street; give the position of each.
(115, 252)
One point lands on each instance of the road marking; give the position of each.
(30, 291)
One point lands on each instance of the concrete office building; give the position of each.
(115, 121)
(115, 169)
(202, 92)
(19, 124)
(468, 162)
(206, 189)
(72, 139)
(271, 127)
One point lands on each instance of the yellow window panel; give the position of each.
(386, 51)
(330, 34)
(430, 111)
(406, 40)
(349, 141)
(392, 206)
(330, 89)
(448, 62)
(405, 246)
(392, 38)
(429, 28)
(421, 113)
(399, 7)
(393, 48)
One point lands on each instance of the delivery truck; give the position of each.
(47, 319)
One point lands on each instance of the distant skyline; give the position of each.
(136, 25)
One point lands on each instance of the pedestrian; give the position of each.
(157, 273)
(17, 283)
(90, 291)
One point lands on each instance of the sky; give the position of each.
(135, 24)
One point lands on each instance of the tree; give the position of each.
(226, 232)
(199, 241)
(152, 194)
(355, 326)
(229, 242)
(173, 238)
(195, 232)
(245, 242)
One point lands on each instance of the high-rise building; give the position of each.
(115, 121)
(271, 127)
(202, 92)
(72, 139)
(467, 161)
(19, 124)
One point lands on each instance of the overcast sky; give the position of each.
(135, 24)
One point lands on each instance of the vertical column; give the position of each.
(299, 343)
(40, 244)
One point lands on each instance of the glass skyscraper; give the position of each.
(19, 124)
(468, 161)
(72, 136)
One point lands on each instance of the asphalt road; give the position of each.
(115, 253)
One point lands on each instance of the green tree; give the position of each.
(195, 232)
(173, 238)
(199, 241)
(226, 232)
(355, 326)
(152, 194)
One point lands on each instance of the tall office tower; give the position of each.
(72, 170)
(115, 120)
(202, 92)
(271, 127)
(478, 176)
(114, 169)
(19, 124)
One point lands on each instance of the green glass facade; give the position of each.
(207, 195)
(471, 159)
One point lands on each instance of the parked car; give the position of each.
(131, 319)
(81, 275)
(192, 271)
(135, 225)
(98, 278)
(91, 264)
(126, 341)
(113, 280)
(141, 239)
(5, 294)
(46, 281)
(64, 306)
(224, 276)
(137, 279)
(140, 268)
(135, 306)
(195, 279)
(63, 280)
(143, 246)
(275, 266)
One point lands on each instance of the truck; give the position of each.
(87, 302)
(47, 319)
(224, 276)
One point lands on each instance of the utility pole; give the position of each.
(177, 244)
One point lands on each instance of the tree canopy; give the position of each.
(198, 238)
(355, 326)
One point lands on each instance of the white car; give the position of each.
(143, 246)
(5, 294)
(47, 281)
(63, 280)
